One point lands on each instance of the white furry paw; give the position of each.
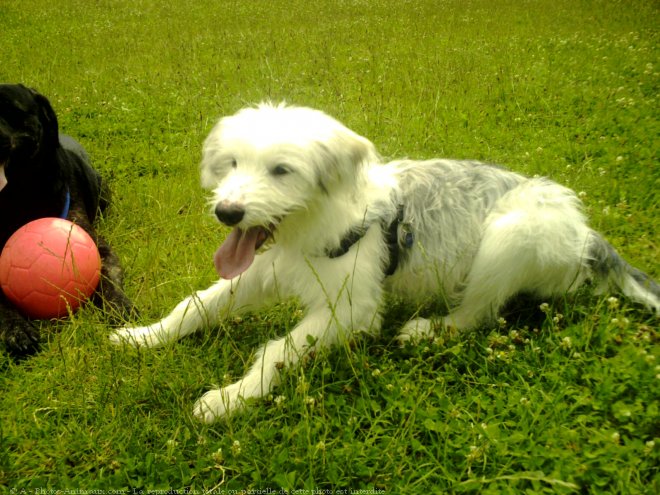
(454, 323)
(218, 404)
(416, 330)
(148, 336)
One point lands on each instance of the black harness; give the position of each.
(394, 241)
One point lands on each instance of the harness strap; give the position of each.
(346, 242)
(391, 234)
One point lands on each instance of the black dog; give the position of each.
(46, 174)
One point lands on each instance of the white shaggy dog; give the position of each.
(344, 229)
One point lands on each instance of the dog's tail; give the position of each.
(610, 270)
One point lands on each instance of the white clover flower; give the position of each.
(496, 340)
(566, 343)
(503, 355)
(620, 322)
(545, 307)
(236, 447)
(474, 454)
(650, 445)
(217, 456)
(279, 400)
(612, 302)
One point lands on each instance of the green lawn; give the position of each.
(564, 403)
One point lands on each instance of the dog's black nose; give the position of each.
(229, 214)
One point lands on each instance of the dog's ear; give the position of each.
(211, 151)
(342, 157)
(48, 121)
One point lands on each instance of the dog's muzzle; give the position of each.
(237, 252)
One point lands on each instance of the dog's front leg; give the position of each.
(319, 329)
(342, 297)
(188, 316)
(20, 337)
(205, 308)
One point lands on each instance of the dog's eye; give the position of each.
(233, 163)
(280, 170)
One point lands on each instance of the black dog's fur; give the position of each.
(40, 166)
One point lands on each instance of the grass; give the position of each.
(565, 403)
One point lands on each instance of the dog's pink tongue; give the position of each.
(236, 254)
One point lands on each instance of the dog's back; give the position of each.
(530, 232)
(444, 204)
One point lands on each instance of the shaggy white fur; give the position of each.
(338, 222)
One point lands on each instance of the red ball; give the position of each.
(48, 267)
